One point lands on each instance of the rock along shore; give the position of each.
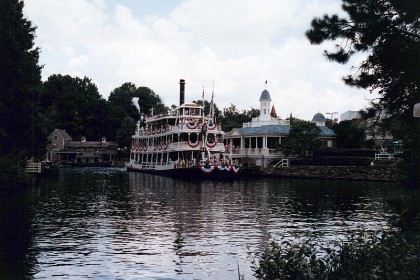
(369, 173)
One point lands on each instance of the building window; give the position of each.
(329, 144)
(265, 111)
(55, 137)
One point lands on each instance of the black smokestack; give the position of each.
(181, 91)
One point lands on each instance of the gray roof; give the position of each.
(63, 134)
(318, 117)
(90, 144)
(274, 130)
(326, 131)
(265, 96)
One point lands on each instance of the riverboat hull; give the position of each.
(210, 172)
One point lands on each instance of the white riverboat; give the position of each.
(183, 143)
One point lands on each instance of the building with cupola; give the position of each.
(258, 142)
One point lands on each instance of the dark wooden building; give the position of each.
(63, 149)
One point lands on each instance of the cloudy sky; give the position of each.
(238, 44)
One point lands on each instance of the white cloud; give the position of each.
(236, 44)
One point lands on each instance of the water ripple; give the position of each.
(98, 223)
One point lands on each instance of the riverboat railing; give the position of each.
(284, 162)
(182, 127)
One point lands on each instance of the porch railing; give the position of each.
(33, 167)
(384, 156)
(284, 162)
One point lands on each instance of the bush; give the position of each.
(12, 171)
(408, 210)
(345, 153)
(286, 260)
(363, 256)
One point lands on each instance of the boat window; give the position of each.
(193, 137)
(183, 137)
(210, 138)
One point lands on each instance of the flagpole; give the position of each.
(212, 103)
(202, 104)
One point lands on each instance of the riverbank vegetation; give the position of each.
(363, 255)
(392, 253)
(388, 254)
(20, 79)
(12, 171)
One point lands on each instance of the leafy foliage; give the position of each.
(408, 209)
(125, 132)
(302, 139)
(120, 106)
(232, 117)
(12, 170)
(122, 111)
(20, 77)
(207, 104)
(350, 134)
(364, 255)
(388, 32)
(73, 104)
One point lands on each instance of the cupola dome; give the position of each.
(265, 96)
(318, 117)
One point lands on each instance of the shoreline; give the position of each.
(361, 173)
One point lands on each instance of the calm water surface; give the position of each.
(110, 224)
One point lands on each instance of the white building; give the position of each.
(265, 117)
(349, 115)
(259, 141)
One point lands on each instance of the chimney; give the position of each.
(181, 91)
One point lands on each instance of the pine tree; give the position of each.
(387, 31)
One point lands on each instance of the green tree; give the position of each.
(233, 118)
(387, 31)
(121, 105)
(349, 133)
(207, 105)
(73, 104)
(125, 131)
(20, 77)
(148, 99)
(253, 113)
(302, 139)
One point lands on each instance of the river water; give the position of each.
(106, 223)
